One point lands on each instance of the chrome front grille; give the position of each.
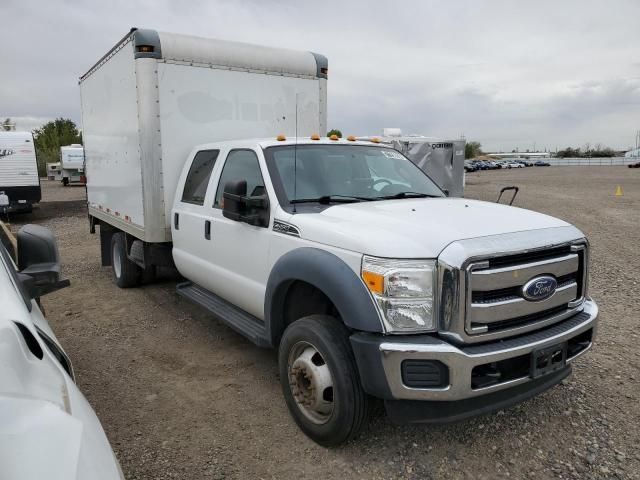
(494, 302)
(480, 282)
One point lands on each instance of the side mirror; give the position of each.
(38, 261)
(235, 191)
(236, 206)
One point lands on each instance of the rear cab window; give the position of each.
(195, 185)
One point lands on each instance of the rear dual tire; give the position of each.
(126, 273)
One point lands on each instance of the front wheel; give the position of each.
(320, 380)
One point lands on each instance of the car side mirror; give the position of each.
(235, 191)
(38, 261)
(237, 206)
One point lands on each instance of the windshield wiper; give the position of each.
(325, 199)
(407, 195)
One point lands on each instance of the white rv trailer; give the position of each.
(18, 171)
(155, 95)
(71, 168)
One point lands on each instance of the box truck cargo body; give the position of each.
(19, 171)
(155, 95)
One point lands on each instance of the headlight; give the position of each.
(403, 292)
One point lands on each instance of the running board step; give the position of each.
(239, 320)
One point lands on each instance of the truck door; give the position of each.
(192, 218)
(239, 253)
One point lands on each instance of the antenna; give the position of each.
(295, 159)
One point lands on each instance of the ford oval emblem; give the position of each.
(539, 288)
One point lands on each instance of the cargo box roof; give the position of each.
(172, 47)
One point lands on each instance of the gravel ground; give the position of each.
(182, 396)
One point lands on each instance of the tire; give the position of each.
(317, 346)
(126, 274)
(65, 182)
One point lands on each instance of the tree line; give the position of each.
(586, 152)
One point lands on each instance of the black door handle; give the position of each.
(176, 221)
(207, 229)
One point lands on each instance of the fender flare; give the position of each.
(329, 274)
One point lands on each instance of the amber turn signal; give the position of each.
(374, 282)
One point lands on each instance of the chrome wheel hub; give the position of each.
(311, 382)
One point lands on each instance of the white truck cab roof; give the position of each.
(286, 141)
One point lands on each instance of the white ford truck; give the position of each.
(342, 254)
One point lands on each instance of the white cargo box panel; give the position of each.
(155, 96)
(18, 165)
(72, 157)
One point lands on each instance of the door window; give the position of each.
(241, 165)
(195, 186)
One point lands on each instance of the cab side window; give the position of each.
(241, 165)
(195, 186)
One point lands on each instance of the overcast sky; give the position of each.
(506, 73)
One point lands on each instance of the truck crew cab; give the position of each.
(371, 282)
(342, 254)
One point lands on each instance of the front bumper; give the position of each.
(380, 360)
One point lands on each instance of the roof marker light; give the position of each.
(281, 138)
(315, 136)
(375, 140)
(351, 138)
(334, 137)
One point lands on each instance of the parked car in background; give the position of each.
(469, 166)
(634, 165)
(515, 165)
(493, 165)
(541, 163)
(47, 427)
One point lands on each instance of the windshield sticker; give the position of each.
(392, 154)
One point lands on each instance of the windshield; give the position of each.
(343, 172)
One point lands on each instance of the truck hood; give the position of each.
(414, 228)
(39, 440)
(47, 427)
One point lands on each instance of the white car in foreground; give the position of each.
(47, 427)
